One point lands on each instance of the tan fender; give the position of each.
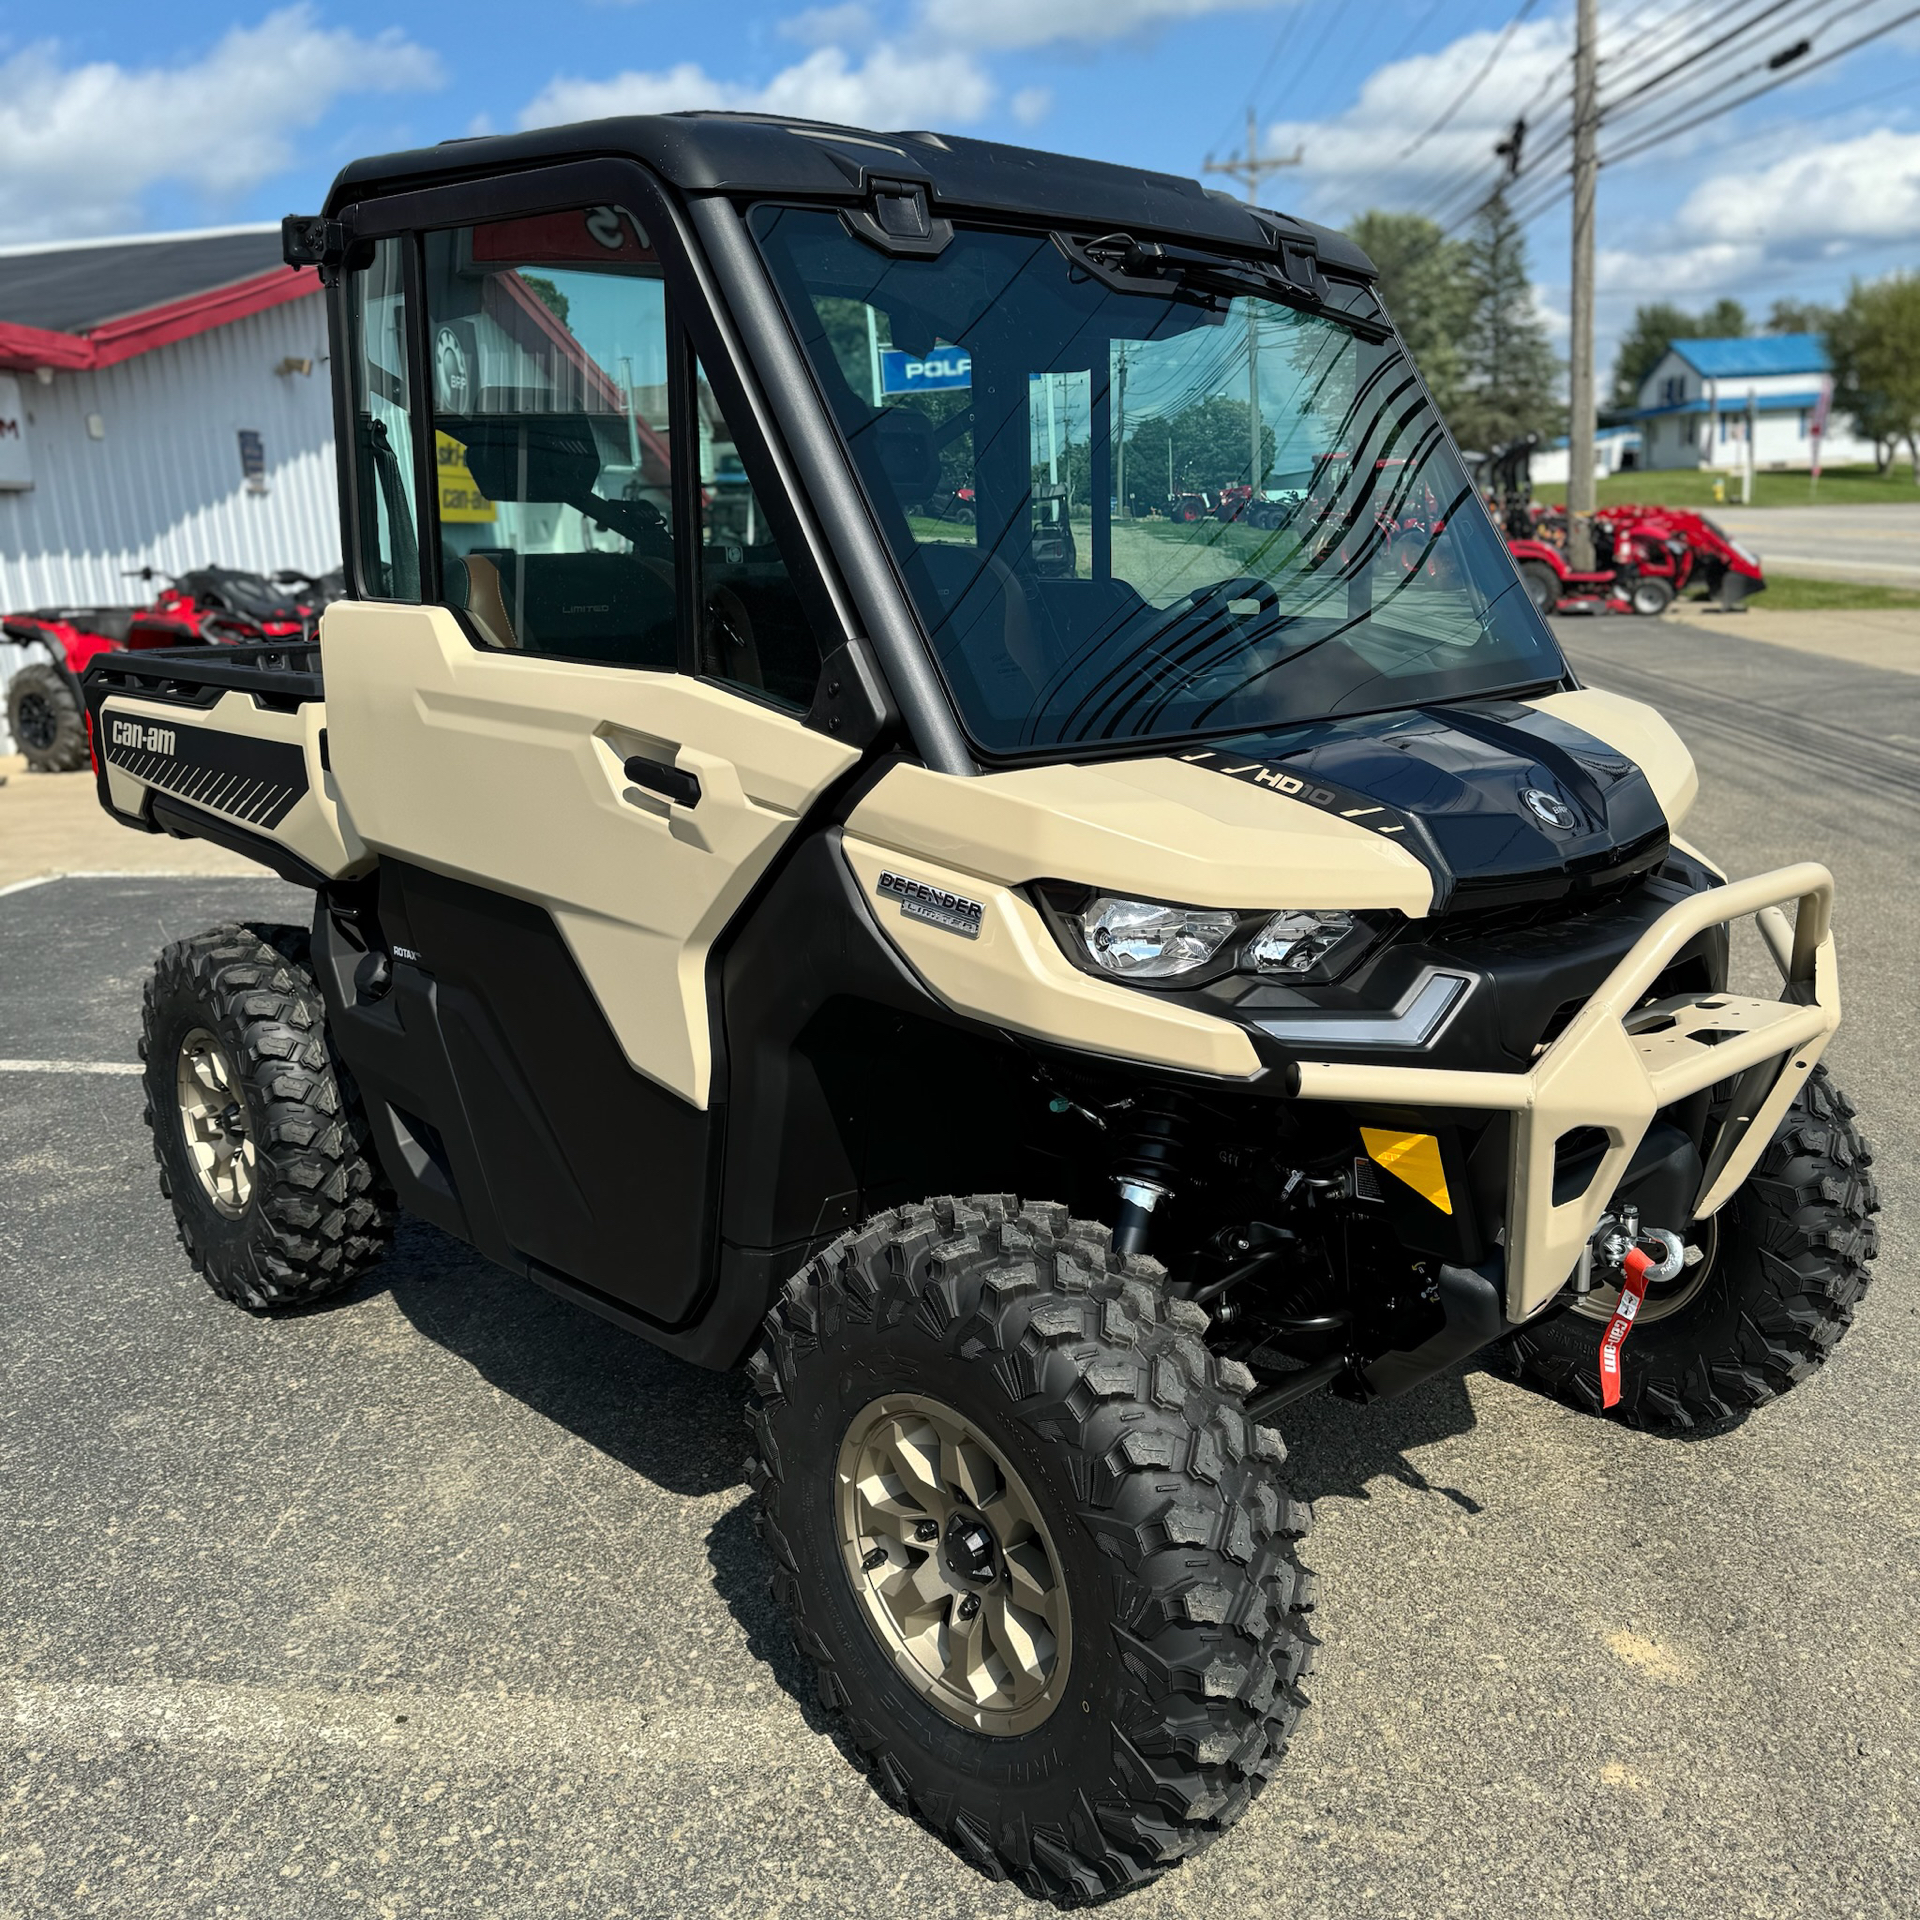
(1155, 829)
(1635, 729)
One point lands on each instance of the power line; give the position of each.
(1663, 131)
(1313, 53)
(1702, 52)
(1780, 58)
(1473, 86)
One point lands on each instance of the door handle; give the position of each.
(671, 783)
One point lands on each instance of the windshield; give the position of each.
(1131, 514)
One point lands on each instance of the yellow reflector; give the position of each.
(1412, 1157)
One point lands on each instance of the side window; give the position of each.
(389, 555)
(550, 374)
(752, 630)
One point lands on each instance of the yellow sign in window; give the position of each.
(460, 499)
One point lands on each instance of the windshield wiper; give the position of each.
(1127, 265)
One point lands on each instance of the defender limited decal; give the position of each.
(953, 912)
(1371, 814)
(256, 781)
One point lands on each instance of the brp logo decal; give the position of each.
(1549, 809)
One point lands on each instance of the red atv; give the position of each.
(212, 606)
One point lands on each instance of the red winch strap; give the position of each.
(1633, 1289)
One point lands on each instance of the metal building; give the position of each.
(164, 403)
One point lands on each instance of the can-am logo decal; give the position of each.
(1549, 809)
(953, 912)
(1342, 801)
(130, 733)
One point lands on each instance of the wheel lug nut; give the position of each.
(927, 1530)
(969, 1606)
(874, 1557)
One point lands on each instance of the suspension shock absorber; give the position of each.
(1151, 1157)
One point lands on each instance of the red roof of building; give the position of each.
(95, 303)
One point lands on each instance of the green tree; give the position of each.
(1875, 345)
(1798, 316)
(548, 294)
(1209, 443)
(1655, 328)
(1426, 281)
(1511, 377)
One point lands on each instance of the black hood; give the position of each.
(1504, 804)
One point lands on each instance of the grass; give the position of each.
(1786, 594)
(1684, 487)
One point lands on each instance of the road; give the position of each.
(444, 1600)
(1876, 544)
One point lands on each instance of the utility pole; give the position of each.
(1581, 410)
(1250, 169)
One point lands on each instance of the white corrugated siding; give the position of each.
(164, 488)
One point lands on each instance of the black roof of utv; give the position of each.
(751, 155)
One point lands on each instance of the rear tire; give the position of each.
(257, 1125)
(45, 719)
(1542, 585)
(1168, 1542)
(1788, 1256)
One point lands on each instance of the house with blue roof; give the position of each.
(1694, 405)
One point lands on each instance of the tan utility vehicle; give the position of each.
(722, 847)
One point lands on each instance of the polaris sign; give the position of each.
(937, 372)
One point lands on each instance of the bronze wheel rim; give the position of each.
(1669, 1296)
(213, 1123)
(953, 1565)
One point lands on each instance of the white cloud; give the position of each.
(80, 146)
(890, 88)
(829, 26)
(1822, 200)
(1022, 23)
(1031, 105)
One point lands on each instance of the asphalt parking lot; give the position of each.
(444, 1600)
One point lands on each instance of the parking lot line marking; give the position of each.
(117, 873)
(71, 1066)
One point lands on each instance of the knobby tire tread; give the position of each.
(1180, 1489)
(322, 1210)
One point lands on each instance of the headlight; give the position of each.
(1297, 941)
(1148, 940)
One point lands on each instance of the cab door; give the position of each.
(567, 710)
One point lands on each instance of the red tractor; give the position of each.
(1644, 557)
(212, 606)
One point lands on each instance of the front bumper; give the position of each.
(1619, 1062)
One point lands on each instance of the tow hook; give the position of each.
(1619, 1246)
(1605, 1256)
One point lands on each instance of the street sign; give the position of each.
(940, 371)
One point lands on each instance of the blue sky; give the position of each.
(133, 118)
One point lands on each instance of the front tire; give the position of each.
(1786, 1263)
(1650, 598)
(257, 1126)
(1081, 1445)
(45, 720)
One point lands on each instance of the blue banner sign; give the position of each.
(937, 372)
